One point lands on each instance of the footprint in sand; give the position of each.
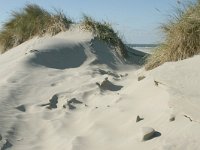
(71, 103)
(107, 85)
(52, 103)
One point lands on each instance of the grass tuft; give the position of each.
(31, 21)
(104, 32)
(182, 37)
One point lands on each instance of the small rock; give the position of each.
(53, 102)
(141, 78)
(139, 119)
(156, 83)
(21, 108)
(147, 133)
(172, 118)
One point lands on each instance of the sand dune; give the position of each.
(72, 92)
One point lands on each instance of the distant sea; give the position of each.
(147, 48)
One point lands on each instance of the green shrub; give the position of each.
(182, 37)
(31, 21)
(104, 32)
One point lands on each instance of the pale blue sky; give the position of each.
(137, 21)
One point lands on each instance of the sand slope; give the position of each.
(71, 92)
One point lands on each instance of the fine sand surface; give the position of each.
(71, 92)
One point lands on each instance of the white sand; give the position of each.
(55, 97)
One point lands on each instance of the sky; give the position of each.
(137, 21)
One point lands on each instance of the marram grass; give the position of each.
(182, 38)
(31, 21)
(104, 32)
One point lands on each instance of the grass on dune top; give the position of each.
(182, 37)
(31, 21)
(105, 32)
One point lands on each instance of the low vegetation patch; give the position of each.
(182, 37)
(105, 32)
(29, 22)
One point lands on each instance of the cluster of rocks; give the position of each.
(148, 133)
